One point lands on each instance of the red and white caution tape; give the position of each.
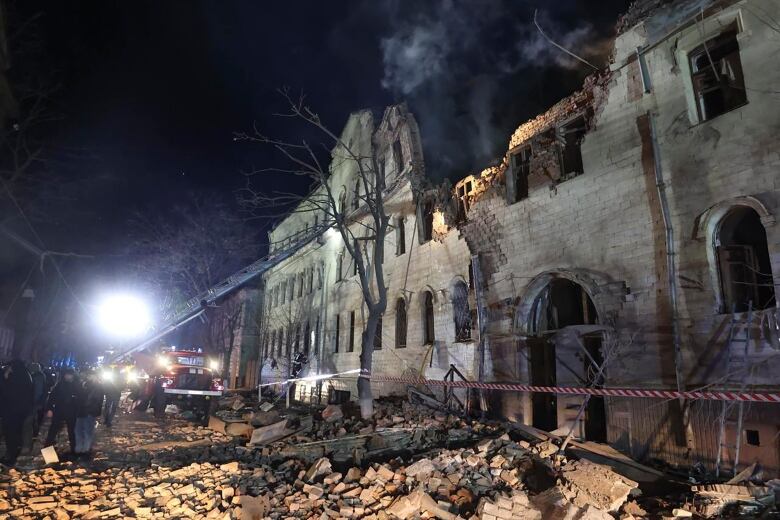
(760, 397)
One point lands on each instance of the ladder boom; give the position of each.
(196, 305)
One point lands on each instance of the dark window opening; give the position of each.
(521, 169)
(427, 223)
(461, 312)
(297, 339)
(306, 338)
(343, 202)
(337, 333)
(429, 335)
(316, 340)
(400, 236)
(570, 138)
(716, 74)
(752, 438)
(378, 335)
(300, 284)
(311, 279)
(398, 156)
(351, 344)
(400, 323)
(743, 261)
(356, 196)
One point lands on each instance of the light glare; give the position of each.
(124, 316)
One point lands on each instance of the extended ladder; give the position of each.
(196, 305)
(736, 374)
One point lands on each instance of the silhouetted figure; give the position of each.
(113, 392)
(17, 406)
(62, 408)
(90, 405)
(40, 395)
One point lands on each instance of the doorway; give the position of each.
(564, 303)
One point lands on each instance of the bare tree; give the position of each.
(223, 324)
(188, 249)
(363, 227)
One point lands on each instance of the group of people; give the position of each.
(74, 401)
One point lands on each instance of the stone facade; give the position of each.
(621, 224)
(331, 291)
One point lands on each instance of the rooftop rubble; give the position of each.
(440, 466)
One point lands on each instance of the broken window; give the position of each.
(398, 156)
(517, 177)
(337, 333)
(400, 236)
(400, 323)
(752, 438)
(461, 312)
(428, 330)
(716, 74)
(351, 344)
(569, 137)
(743, 261)
(425, 221)
(378, 335)
(463, 191)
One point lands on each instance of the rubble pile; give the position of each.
(490, 480)
(338, 466)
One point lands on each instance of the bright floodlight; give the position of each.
(124, 316)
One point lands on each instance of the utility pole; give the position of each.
(479, 297)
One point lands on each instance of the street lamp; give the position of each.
(123, 316)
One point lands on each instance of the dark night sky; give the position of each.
(151, 92)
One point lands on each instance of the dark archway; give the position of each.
(744, 266)
(564, 303)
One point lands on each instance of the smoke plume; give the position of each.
(473, 70)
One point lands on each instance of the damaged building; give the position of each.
(627, 239)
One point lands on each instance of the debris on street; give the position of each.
(409, 462)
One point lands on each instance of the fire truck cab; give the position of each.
(188, 379)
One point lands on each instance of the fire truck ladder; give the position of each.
(196, 305)
(736, 375)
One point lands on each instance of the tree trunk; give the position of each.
(365, 397)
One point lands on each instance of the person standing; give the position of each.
(40, 393)
(62, 407)
(17, 406)
(89, 407)
(113, 393)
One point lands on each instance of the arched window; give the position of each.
(743, 261)
(461, 312)
(400, 323)
(306, 338)
(428, 330)
(343, 202)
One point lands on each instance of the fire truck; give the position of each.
(188, 379)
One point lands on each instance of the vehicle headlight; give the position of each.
(214, 364)
(107, 375)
